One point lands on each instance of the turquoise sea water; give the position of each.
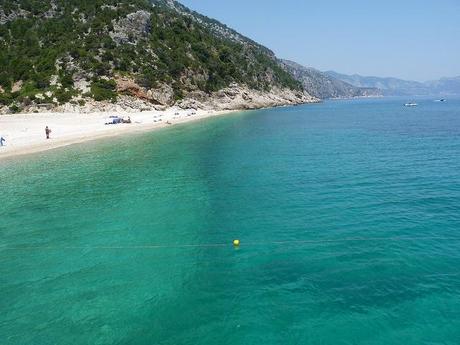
(370, 187)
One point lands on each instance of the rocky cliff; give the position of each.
(323, 86)
(130, 53)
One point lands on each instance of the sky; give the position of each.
(409, 39)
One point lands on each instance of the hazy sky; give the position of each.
(410, 39)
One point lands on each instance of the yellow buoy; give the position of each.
(236, 243)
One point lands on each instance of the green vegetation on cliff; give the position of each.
(53, 50)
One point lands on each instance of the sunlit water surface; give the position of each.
(92, 236)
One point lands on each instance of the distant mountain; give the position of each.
(445, 86)
(323, 86)
(400, 87)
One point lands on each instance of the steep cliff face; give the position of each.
(321, 85)
(54, 52)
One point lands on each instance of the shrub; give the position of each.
(5, 99)
(104, 90)
(63, 96)
(66, 80)
(14, 108)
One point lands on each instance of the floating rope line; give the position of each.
(359, 239)
(243, 244)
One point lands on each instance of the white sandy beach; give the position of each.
(25, 133)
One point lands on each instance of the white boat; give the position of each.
(411, 104)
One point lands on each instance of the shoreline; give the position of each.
(25, 133)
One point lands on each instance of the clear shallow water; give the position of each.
(343, 169)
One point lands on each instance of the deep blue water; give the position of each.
(348, 214)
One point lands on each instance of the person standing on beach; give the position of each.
(47, 132)
(2, 141)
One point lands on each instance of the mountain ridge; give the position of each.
(399, 87)
(323, 86)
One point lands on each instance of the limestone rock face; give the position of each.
(17, 86)
(129, 86)
(132, 28)
(238, 97)
(135, 99)
(164, 95)
(4, 18)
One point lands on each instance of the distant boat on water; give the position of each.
(410, 104)
(440, 100)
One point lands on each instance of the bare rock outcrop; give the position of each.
(134, 98)
(238, 97)
(5, 18)
(164, 95)
(132, 28)
(17, 86)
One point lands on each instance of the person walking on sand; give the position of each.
(2, 141)
(47, 132)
